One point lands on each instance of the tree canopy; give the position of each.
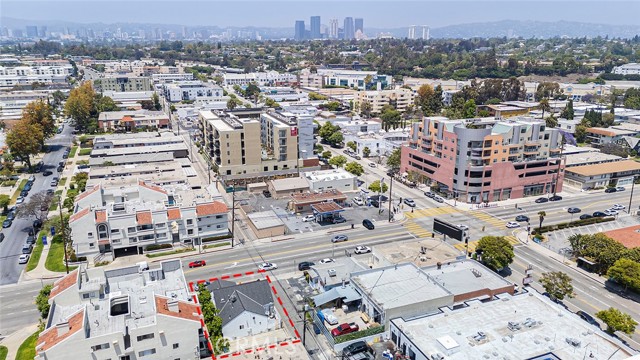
(25, 140)
(355, 168)
(495, 252)
(338, 161)
(393, 161)
(626, 272)
(616, 320)
(376, 188)
(557, 284)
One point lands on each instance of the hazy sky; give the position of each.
(381, 14)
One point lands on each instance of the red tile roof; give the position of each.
(173, 214)
(211, 208)
(64, 283)
(144, 218)
(101, 216)
(52, 336)
(78, 215)
(87, 192)
(629, 236)
(152, 187)
(187, 311)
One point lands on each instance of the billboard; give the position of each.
(443, 227)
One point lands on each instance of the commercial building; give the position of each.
(304, 202)
(267, 78)
(192, 91)
(627, 69)
(354, 79)
(131, 120)
(124, 83)
(600, 136)
(601, 175)
(115, 141)
(129, 100)
(171, 77)
(349, 29)
(284, 188)
(400, 99)
(356, 125)
(524, 326)
(381, 143)
(122, 313)
(629, 237)
(27, 75)
(282, 94)
(315, 27)
(125, 220)
(484, 160)
(325, 180)
(300, 32)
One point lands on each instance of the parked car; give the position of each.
(438, 199)
(356, 348)
(429, 194)
(1, 237)
(54, 181)
(585, 216)
(522, 218)
(610, 190)
(27, 248)
(31, 179)
(305, 265)
(358, 157)
(31, 240)
(610, 212)
(309, 218)
(197, 263)
(618, 207)
(380, 198)
(620, 188)
(410, 202)
(24, 193)
(573, 210)
(60, 169)
(541, 200)
(266, 193)
(368, 224)
(555, 198)
(361, 249)
(50, 191)
(512, 224)
(374, 203)
(329, 317)
(27, 186)
(588, 318)
(11, 215)
(37, 224)
(7, 223)
(372, 165)
(339, 238)
(599, 214)
(47, 173)
(19, 200)
(23, 259)
(267, 266)
(326, 261)
(339, 220)
(358, 201)
(344, 329)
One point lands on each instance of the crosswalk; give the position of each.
(491, 220)
(417, 230)
(472, 244)
(420, 213)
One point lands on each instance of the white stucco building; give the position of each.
(192, 90)
(627, 69)
(325, 180)
(27, 75)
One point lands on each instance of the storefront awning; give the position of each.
(347, 293)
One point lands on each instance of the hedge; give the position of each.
(214, 238)
(217, 245)
(359, 334)
(560, 226)
(158, 247)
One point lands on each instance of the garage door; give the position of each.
(131, 250)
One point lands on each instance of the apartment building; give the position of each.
(400, 99)
(627, 69)
(122, 313)
(484, 160)
(191, 91)
(115, 141)
(124, 83)
(12, 103)
(354, 79)
(170, 77)
(268, 78)
(125, 220)
(27, 75)
(130, 120)
(300, 126)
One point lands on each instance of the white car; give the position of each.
(462, 226)
(372, 165)
(512, 224)
(618, 207)
(360, 249)
(19, 200)
(309, 218)
(610, 212)
(326, 261)
(268, 266)
(23, 259)
(358, 201)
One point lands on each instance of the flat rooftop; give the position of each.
(328, 175)
(587, 158)
(131, 159)
(466, 276)
(151, 149)
(290, 184)
(605, 168)
(398, 285)
(452, 332)
(313, 197)
(265, 219)
(629, 236)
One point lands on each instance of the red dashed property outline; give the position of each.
(247, 351)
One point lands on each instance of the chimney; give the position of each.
(172, 305)
(62, 328)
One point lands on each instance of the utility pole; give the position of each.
(233, 214)
(555, 186)
(64, 235)
(631, 194)
(390, 197)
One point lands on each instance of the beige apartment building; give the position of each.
(400, 99)
(247, 147)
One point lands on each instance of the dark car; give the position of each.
(588, 318)
(31, 240)
(381, 198)
(391, 173)
(522, 218)
(50, 191)
(27, 186)
(11, 215)
(374, 203)
(305, 265)
(573, 210)
(555, 198)
(27, 248)
(59, 169)
(356, 348)
(266, 193)
(47, 173)
(1, 237)
(368, 224)
(610, 190)
(585, 216)
(24, 193)
(541, 200)
(37, 224)
(599, 214)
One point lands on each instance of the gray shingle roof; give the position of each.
(233, 299)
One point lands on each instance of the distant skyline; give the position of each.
(283, 14)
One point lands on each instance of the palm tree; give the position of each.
(541, 214)
(544, 106)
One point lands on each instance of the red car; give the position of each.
(345, 328)
(197, 263)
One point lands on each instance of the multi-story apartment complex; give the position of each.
(124, 83)
(239, 147)
(400, 99)
(127, 219)
(627, 69)
(352, 78)
(268, 78)
(27, 75)
(191, 91)
(170, 77)
(130, 120)
(478, 160)
(300, 126)
(125, 313)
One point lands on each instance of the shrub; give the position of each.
(359, 334)
(566, 225)
(214, 238)
(158, 247)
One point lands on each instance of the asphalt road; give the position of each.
(15, 236)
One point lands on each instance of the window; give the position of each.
(218, 216)
(241, 327)
(131, 230)
(85, 296)
(91, 245)
(145, 337)
(176, 345)
(189, 221)
(146, 352)
(103, 231)
(190, 232)
(161, 225)
(100, 347)
(90, 234)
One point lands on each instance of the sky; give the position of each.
(376, 13)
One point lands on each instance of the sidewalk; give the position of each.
(13, 341)
(40, 272)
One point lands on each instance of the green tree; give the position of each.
(567, 112)
(269, 102)
(352, 145)
(25, 140)
(326, 130)
(332, 106)
(495, 251)
(366, 108)
(541, 215)
(40, 113)
(544, 106)
(557, 284)
(104, 103)
(393, 161)
(390, 117)
(551, 121)
(231, 104)
(336, 138)
(156, 102)
(616, 320)
(81, 180)
(327, 154)
(580, 133)
(625, 272)
(355, 168)
(212, 320)
(4, 202)
(469, 109)
(376, 188)
(42, 301)
(338, 161)
(252, 91)
(366, 151)
(423, 98)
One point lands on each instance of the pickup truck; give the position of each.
(344, 329)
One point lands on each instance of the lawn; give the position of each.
(27, 350)
(9, 182)
(23, 182)
(3, 352)
(62, 181)
(84, 152)
(72, 152)
(55, 259)
(54, 203)
(37, 253)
